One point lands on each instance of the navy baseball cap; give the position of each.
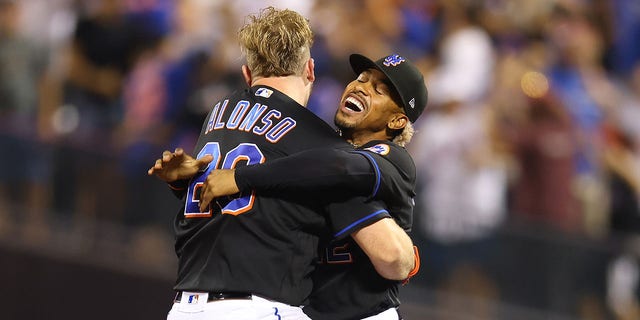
(405, 77)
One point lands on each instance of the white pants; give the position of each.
(256, 308)
(389, 314)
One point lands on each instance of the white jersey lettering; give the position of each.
(245, 119)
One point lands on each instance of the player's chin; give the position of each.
(345, 121)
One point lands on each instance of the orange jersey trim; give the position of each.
(175, 187)
(416, 265)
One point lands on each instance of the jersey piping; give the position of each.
(354, 224)
(376, 186)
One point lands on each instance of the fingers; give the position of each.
(179, 165)
(204, 161)
(167, 155)
(205, 196)
(166, 158)
(204, 204)
(157, 166)
(208, 190)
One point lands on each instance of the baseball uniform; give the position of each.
(346, 285)
(253, 244)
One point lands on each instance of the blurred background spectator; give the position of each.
(24, 112)
(528, 156)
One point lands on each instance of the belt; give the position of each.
(217, 296)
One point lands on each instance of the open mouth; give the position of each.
(353, 104)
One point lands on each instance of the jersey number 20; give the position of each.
(248, 152)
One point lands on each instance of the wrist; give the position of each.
(241, 179)
(416, 265)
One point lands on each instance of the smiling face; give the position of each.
(368, 106)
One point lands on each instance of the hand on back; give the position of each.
(177, 165)
(219, 183)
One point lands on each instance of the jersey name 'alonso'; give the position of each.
(252, 243)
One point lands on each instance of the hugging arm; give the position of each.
(388, 247)
(325, 169)
(376, 232)
(315, 169)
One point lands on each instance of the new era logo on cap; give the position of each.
(412, 103)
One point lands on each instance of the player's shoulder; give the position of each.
(390, 151)
(385, 148)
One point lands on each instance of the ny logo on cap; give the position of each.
(393, 60)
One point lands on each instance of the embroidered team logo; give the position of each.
(381, 149)
(264, 92)
(393, 60)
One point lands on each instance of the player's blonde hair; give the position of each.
(404, 137)
(276, 42)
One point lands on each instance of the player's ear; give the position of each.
(398, 121)
(246, 73)
(309, 69)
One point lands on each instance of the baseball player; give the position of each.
(346, 284)
(251, 256)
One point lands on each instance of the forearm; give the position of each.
(389, 248)
(310, 170)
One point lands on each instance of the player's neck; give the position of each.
(360, 138)
(292, 86)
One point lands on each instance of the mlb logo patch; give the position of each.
(393, 60)
(381, 149)
(264, 92)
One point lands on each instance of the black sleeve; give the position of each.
(353, 214)
(312, 170)
(179, 188)
(397, 174)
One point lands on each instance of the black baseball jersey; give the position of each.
(251, 242)
(346, 285)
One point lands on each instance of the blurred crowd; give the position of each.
(532, 125)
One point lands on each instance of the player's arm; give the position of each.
(316, 169)
(346, 172)
(381, 170)
(388, 247)
(320, 169)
